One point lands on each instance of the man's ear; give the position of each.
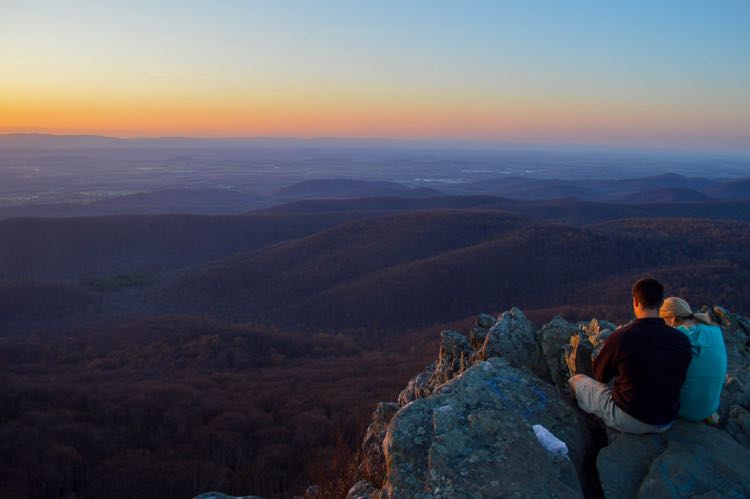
(635, 302)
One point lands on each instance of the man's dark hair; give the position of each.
(650, 293)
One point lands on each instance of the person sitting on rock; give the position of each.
(699, 398)
(647, 359)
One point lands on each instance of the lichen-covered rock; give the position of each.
(477, 336)
(738, 351)
(485, 321)
(688, 460)
(736, 391)
(464, 425)
(738, 424)
(727, 319)
(454, 357)
(513, 337)
(478, 333)
(373, 462)
(552, 338)
(417, 387)
(744, 323)
(473, 438)
(362, 490)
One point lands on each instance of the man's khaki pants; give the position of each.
(596, 398)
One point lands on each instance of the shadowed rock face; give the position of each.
(553, 337)
(373, 461)
(419, 386)
(688, 460)
(464, 427)
(453, 359)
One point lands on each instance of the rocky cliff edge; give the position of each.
(464, 426)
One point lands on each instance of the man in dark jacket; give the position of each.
(648, 360)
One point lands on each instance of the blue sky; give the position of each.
(628, 73)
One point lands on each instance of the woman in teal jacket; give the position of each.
(699, 398)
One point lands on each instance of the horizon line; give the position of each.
(482, 144)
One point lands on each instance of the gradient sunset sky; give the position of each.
(666, 74)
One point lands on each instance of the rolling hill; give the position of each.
(410, 270)
(335, 265)
(638, 189)
(104, 246)
(344, 188)
(157, 356)
(665, 195)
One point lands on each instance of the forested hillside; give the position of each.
(167, 355)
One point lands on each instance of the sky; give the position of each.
(641, 74)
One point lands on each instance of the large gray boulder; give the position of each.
(514, 337)
(688, 460)
(552, 339)
(473, 437)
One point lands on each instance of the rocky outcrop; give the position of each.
(373, 461)
(362, 490)
(688, 460)
(738, 424)
(553, 337)
(473, 437)
(463, 427)
(514, 338)
(453, 359)
(418, 386)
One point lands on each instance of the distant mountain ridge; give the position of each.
(664, 188)
(666, 195)
(195, 201)
(669, 189)
(345, 188)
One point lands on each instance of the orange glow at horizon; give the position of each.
(520, 118)
(620, 75)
